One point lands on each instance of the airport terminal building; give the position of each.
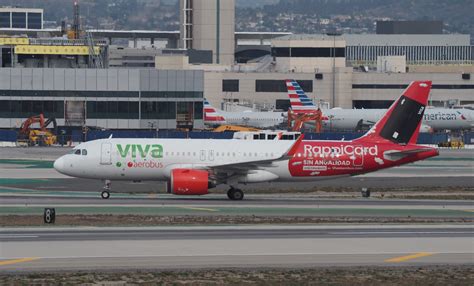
(350, 71)
(162, 86)
(103, 98)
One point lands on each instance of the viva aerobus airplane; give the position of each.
(192, 166)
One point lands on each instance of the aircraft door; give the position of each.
(203, 155)
(106, 154)
(211, 155)
(358, 157)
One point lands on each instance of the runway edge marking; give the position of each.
(409, 257)
(16, 261)
(200, 209)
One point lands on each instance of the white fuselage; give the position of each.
(434, 118)
(254, 119)
(105, 161)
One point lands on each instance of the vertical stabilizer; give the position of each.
(211, 115)
(299, 101)
(401, 123)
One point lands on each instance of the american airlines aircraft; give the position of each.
(192, 166)
(355, 119)
(215, 117)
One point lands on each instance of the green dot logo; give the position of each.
(118, 164)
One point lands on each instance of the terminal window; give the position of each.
(27, 108)
(5, 20)
(34, 21)
(308, 52)
(198, 110)
(112, 109)
(230, 85)
(19, 20)
(280, 85)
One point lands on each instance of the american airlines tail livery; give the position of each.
(215, 117)
(192, 166)
(355, 119)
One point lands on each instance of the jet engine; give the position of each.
(189, 182)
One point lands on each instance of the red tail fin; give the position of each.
(401, 124)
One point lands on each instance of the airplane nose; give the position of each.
(59, 164)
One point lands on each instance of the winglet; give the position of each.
(295, 146)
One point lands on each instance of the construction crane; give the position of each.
(76, 32)
(41, 136)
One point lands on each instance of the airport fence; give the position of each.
(8, 135)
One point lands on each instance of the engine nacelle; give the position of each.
(189, 182)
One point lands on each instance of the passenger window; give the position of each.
(77, 152)
(84, 152)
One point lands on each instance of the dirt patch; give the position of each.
(153, 220)
(424, 275)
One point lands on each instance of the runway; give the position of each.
(233, 246)
(28, 186)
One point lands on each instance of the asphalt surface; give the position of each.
(27, 188)
(236, 246)
(250, 201)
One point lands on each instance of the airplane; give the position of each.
(356, 119)
(193, 166)
(215, 117)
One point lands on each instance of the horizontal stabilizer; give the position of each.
(396, 155)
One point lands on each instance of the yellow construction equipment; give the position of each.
(234, 128)
(42, 136)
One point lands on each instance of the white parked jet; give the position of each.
(214, 117)
(192, 166)
(356, 119)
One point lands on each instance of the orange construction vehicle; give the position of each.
(41, 136)
(297, 120)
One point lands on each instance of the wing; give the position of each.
(225, 171)
(242, 168)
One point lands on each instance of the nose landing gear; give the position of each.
(235, 194)
(106, 191)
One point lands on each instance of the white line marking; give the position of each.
(17, 236)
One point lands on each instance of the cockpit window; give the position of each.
(84, 152)
(77, 152)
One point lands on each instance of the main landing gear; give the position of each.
(106, 192)
(235, 194)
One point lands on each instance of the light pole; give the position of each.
(333, 54)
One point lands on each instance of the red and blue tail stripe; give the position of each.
(299, 101)
(211, 116)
